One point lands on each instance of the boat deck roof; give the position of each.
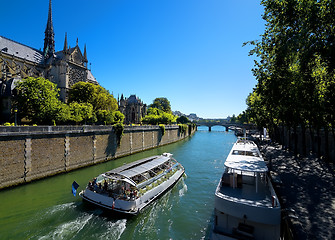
(245, 156)
(139, 166)
(247, 195)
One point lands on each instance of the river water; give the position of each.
(46, 209)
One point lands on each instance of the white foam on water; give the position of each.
(114, 229)
(50, 212)
(61, 207)
(68, 229)
(183, 190)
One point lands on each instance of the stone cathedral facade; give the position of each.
(132, 108)
(18, 61)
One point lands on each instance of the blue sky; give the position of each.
(189, 51)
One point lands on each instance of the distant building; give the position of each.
(192, 117)
(178, 113)
(132, 108)
(18, 61)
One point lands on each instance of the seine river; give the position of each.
(46, 209)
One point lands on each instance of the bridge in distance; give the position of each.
(232, 126)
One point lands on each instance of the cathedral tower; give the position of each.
(49, 41)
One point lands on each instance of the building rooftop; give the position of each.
(19, 50)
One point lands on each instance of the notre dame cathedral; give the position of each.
(18, 61)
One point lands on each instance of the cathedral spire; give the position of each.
(65, 43)
(49, 41)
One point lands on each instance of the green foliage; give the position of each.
(81, 112)
(183, 120)
(37, 100)
(243, 117)
(118, 129)
(156, 116)
(118, 117)
(162, 127)
(233, 119)
(296, 65)
(103, 103)
(97, 96)
(109, 117)
(162, 104)
(182, 128)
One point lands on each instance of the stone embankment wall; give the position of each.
(30, 153)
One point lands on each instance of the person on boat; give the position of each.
(90, 185)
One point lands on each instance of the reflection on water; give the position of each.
(46, 209)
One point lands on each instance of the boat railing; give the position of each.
(157, 181)
(275, 200)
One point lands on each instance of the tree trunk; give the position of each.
(326, 143)
(295, 140)
(303, 135)
(333, 147)
(313, 140)
(283, 137)
(318, 142)
(289, 138)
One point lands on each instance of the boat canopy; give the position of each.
(142, 168)
(246, 163)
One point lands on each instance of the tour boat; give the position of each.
(131, 187)
(246, 205)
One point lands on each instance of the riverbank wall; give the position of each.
(34, 152)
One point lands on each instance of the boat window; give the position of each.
(138, 178)
(146, 175)
(245, 153)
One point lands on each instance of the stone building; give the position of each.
(18, 61)
(132, 108)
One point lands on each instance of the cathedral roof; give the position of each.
(133, 99)
(91, 78)
(19, 50)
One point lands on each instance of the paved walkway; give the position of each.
(307, 187)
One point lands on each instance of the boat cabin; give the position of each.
(132, 182)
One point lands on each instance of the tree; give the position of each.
(233, 119)
(37, 100)
(103, 103)
(162, 104)
(297, 60)
(97, 96)
(81, 112)
(118, 117)
(183, 119)
(156, 116)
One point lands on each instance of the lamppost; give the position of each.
(15, 111)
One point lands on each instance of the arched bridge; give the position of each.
(232, 126)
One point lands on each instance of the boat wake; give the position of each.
(59, 208)
(69, 229)
(114, 230)
(183, 190)
(66, 222)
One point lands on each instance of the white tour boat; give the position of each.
(131, 187)
(246, 205)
